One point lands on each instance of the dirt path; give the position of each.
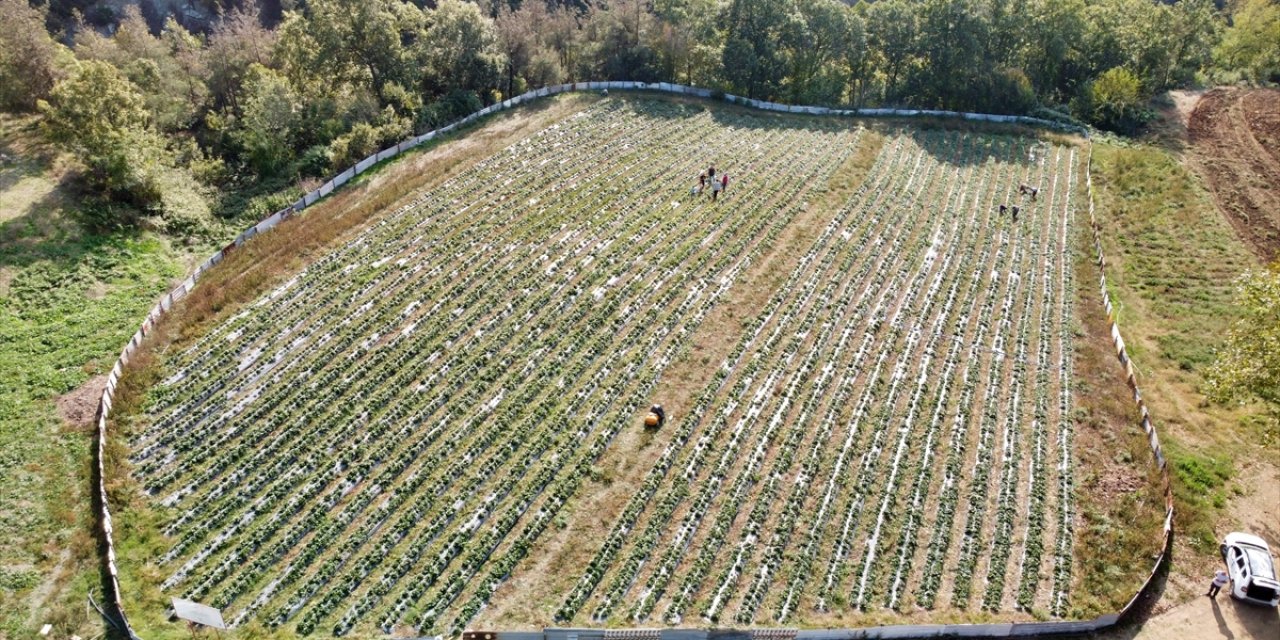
(1234, 136)
(1206, 619)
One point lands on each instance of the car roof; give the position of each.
(1260, 563)
(1246, 538)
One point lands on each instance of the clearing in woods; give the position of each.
(868, 371)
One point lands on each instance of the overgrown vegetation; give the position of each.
(1173, 263)
(68, 301)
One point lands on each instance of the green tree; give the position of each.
(1251, 46)
(760, 35)
(236, 43)
(818, 64)
(1248, 365)
(30, 62)
(1194, 28)
(857, 58)
(622, 34)
(269, 115)
(892, 29)
(460, 50)
(688, 47)
(362, 44)
(1052, 51)
(168, 70)
(952, 35)
(1114, 100)
(101, 117)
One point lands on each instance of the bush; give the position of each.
(265, 205)
(353, 146)
(452, 107)
(30, 62)
(1115, 101)
(314, 162)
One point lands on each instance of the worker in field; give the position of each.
(724, 183)
(1004, 208)
(656, 417)
(715, 183)
(1014, 210)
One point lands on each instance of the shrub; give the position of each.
(99, 115)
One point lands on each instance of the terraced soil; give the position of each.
(1235, 146)
(438, 424)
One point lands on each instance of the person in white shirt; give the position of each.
(1220, 580)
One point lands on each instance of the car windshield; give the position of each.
(1259, 562)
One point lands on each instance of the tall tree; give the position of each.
(688, 46)
(167, 70)
(236, 43)
(621, 33)
(361, 43)
(30, 62)
(1052, 53)
(893, 27)
(952, 35)
(818, 73)
(1251, 46)
(268, 118)
(760, 36)
(1248, 365)
(459, 51)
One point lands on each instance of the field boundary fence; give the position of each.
(162, 307)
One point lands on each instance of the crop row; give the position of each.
(920, 320)
(402, 420)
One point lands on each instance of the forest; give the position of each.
(186, 115)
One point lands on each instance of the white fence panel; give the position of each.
(343, 177)
(275, 218)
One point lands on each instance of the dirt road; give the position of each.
(1235, 144)
(1207, 619)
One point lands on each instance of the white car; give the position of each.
(1252, 571)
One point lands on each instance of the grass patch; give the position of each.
(68, 301)
(1200, 491)
(1120, 500)
(1172, 263)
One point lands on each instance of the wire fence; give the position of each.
(167, 302)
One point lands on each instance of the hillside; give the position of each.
(867, 365)
(67, 301)
(1172, 314)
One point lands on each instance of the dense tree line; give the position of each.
(165, 114)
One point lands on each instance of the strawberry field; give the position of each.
(390, 440)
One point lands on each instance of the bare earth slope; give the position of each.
(1235, 138)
